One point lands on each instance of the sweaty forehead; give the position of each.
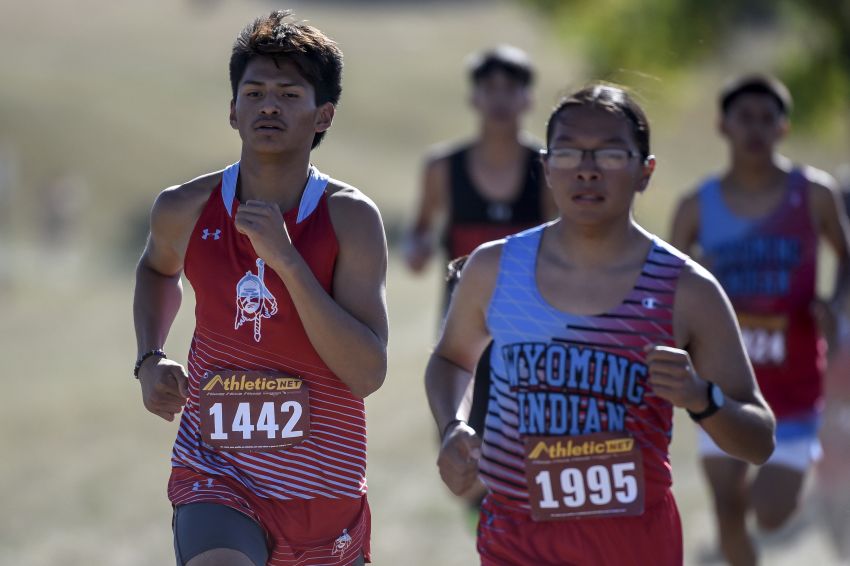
(277, 70)
(591, 125)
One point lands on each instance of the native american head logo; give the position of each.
(341, 543)
(254, 302)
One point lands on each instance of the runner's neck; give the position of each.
(273, 180)
(597, 246)
(497, 148)
(756, 177)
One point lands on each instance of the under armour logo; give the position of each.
(649, 302)
(197, 485)
(215, 235)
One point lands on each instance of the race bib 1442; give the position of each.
(252, 411)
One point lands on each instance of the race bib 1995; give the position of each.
(593, 475)
(252, 411)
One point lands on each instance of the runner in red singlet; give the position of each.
(288, 268)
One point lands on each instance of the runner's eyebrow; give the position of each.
(567, 138)
(279, 84)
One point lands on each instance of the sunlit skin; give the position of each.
(275, 109)
(588, 196)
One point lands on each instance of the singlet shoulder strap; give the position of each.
(229, 177)
(316, 184)
(519, 256)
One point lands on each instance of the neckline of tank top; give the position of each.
(520, 190)
(310, 197)
(795, 177)
(654, 245)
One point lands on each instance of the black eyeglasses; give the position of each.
(609, 159)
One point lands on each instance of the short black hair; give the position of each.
(610, 98)
(506, 58)
(317, 57)
(756, 84)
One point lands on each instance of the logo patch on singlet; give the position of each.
(214, 235)
(342, 543)
(254, 301)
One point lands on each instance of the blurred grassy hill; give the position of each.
(131, 97)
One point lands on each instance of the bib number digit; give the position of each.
(288, 431)
(218, 426)
(267, 422)
(599, 485)
(544, 480)
(625, 486)
(242, 421)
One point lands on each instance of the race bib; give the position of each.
(574, 477)
(764, 338)
(252, 411)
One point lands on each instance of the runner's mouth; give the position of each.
(588, 198)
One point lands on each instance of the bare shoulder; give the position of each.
(689, 202)
(345, 201)
(824, 198)
(819, 180)
(482, 267)
(352, 212)
(182, 204)
(442, 152)
(698, 292)
(437, 157)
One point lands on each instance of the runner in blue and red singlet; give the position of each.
(757, 227)
(599, 330)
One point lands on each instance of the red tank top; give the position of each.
(768, 268)
(246, 320)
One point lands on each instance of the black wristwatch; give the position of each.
(715, 401)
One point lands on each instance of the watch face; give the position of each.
(717, 395)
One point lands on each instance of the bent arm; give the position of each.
(159, 292)
(463, 339)
(835, 228)
(420, 238)
(707, 328)
(348, 329)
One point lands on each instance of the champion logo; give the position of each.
(342, 543)
(215, 235)
(650, 302)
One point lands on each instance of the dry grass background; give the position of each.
(132, 96)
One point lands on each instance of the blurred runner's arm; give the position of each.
(711, 349)
(433, 204)
(451, 366)
(685, 231)
(833, 225)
